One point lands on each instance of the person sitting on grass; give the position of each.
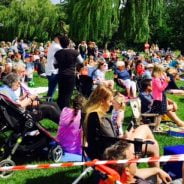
(130, 173)
(69, 132)
(123, 78)
(49, 110)
(99, 75)
(100, 132)
(13, 89)
(147, 103)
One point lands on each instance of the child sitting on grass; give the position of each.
(69, 132)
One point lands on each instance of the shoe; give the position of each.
(158, 130)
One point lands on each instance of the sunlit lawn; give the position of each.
(67, 175)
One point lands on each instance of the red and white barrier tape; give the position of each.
(169, 158)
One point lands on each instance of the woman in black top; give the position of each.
(100, 133)
(99, 130)
(66, 61)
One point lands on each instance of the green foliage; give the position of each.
(103, 21)
(176, 23)
(29, 19)
(93, 19)
(5, 3)
(170, 32)
(135, 19)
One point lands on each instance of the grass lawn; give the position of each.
(67, 175)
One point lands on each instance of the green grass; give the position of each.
(67, 175)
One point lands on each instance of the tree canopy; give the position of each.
(29, 19)
(135, 19)
(129, 22)
(93, 20)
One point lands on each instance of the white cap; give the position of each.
(149, 66)
(120, 63)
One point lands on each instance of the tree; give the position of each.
(5, 3)
(30, 19)
(135, 19)
(99, 19)
(175, 21)
(93, 19)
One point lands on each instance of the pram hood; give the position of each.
(13, 116)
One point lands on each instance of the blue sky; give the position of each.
(55, 1)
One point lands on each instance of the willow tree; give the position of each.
(135, 19)
(29, 19)
(98, 19)
(93, 19)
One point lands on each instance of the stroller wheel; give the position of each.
(55, 153)
(4, 163)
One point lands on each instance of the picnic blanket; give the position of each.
(172, 129)
(38, 90)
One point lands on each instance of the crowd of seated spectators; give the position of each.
(148, 76)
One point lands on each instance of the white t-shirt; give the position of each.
(49, 68)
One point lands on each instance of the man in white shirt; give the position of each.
(51, 72)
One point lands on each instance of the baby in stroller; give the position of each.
(25, 135)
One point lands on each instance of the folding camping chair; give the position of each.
(141, 118)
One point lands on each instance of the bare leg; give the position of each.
(144, 132)
(128, 92)
(173, 116)
(133, 89)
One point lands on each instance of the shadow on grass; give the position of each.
(181, 99)
(63, 177)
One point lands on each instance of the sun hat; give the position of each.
(149, 66)
(120, 63)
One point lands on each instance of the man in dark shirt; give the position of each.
(66, 60)
(145, 96)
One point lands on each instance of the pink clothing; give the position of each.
(69, 131)
(158, 87)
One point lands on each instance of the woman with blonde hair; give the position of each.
(159, 84)
(98, 128)
(161, 104)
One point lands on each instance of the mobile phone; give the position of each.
(130, 126)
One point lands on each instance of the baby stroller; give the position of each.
(23, 134)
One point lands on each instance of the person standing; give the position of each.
(82, 48)
(66, 61)
(50, 70)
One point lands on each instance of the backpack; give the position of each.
(69, 132)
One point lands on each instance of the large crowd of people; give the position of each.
(148, 75)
